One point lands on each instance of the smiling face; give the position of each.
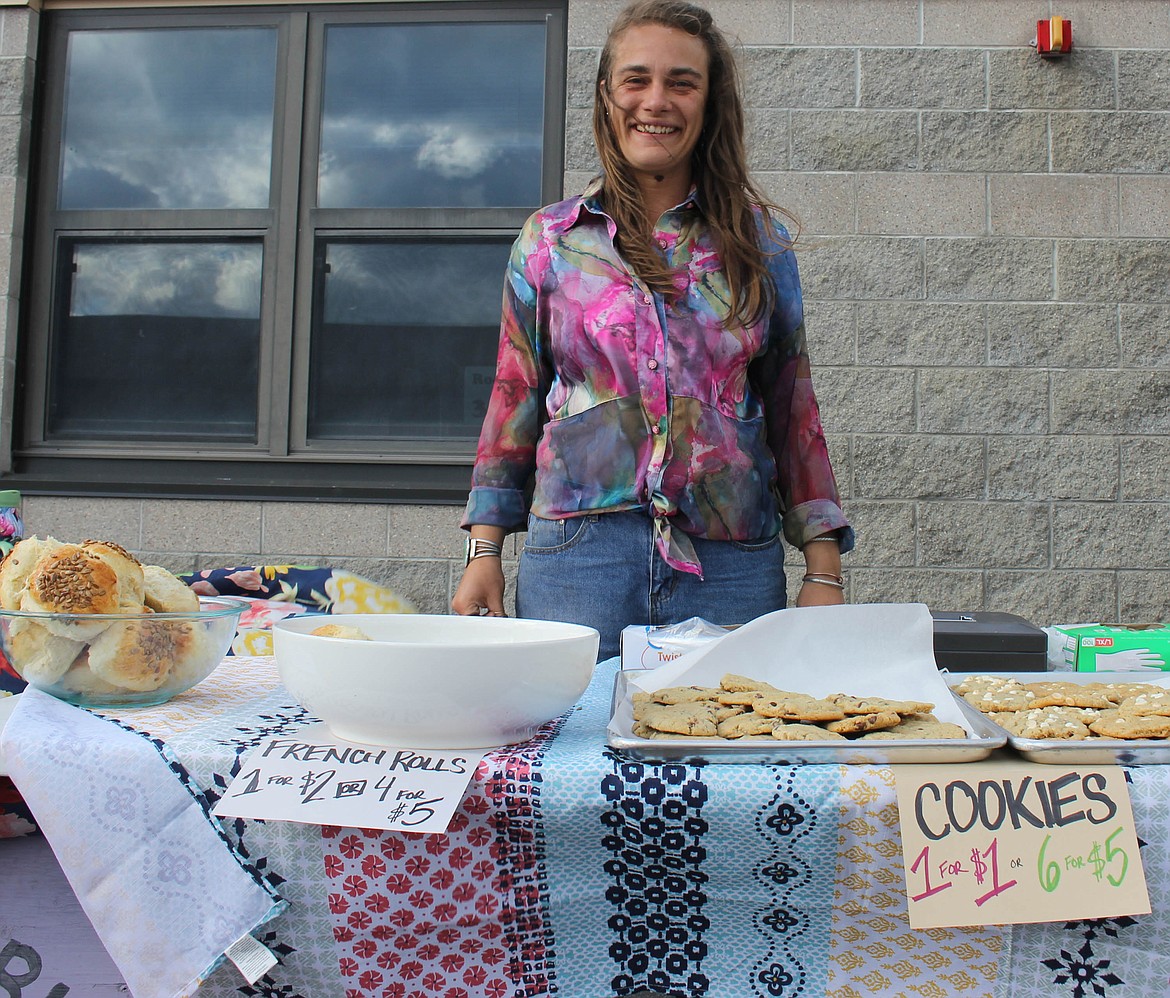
(656, 96)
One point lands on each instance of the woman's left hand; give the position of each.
(816, 594)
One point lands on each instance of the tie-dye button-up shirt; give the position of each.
(618, 398)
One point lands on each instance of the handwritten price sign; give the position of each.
(313, 778)
(996, 843)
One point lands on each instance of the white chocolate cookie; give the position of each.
(1149, 703)
(1131, 726)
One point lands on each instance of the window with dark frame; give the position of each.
(268, 244)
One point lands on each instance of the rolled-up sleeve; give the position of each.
(807, 488)
(506, 456)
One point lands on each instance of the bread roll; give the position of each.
(94, 655)
(43, 657)
(73, 580)
(131, 583)
(81, 680)
(197, 659)
(16, 568)
(138, 654)
(340, 631)
(165, 593)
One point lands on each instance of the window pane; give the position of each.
(168, 118)
(404, 344)
(432, 115)
(161, 342)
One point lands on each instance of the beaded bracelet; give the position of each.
(826, 580)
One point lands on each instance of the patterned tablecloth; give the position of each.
(567, 870)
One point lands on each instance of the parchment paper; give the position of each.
(863, 649)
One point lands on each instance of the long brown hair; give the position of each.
(727, 195)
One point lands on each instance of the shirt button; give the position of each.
(663, 243)
(646, 299)
(652, 364)
(655, 429)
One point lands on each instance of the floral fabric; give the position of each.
(618, 398)
(279, 591)
(11, 528)
(10, 681)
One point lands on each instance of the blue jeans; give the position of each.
(605, 571)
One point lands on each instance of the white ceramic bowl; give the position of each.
(435, 681)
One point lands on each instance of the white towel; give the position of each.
(164, 891)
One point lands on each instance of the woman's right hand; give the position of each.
(481, 590)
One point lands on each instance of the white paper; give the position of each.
(7, 706)
(862, 649)
(314, 778)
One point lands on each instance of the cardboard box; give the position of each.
(1114, 647)
(646, 646)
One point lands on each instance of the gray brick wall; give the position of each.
(986, 261)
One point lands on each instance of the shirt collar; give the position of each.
(590, 201)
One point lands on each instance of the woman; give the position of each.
(652, 380)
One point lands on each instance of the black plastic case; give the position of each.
(988, 641)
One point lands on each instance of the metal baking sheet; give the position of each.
(1087, 751)
(985, 739)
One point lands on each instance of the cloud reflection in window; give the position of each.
(168, 118)
(432, 115)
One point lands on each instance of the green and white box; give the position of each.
(1116, 647)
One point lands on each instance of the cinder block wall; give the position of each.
(986, 263)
